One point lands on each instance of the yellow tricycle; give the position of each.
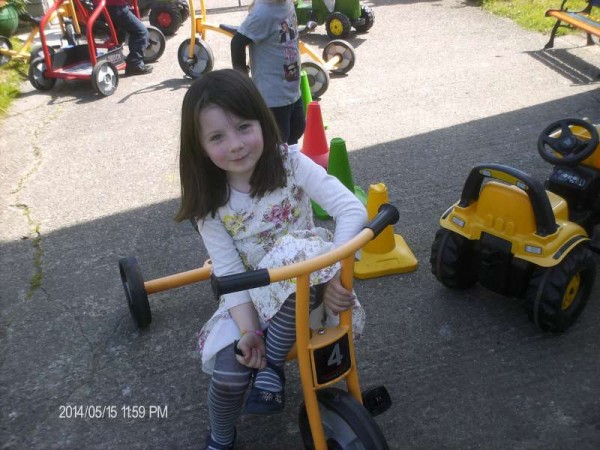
(330, 417)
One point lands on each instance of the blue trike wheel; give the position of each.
(347, 424)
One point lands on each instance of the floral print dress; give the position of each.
(271, 231)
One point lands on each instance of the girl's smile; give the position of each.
(232, 143)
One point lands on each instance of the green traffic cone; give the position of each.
(339, 167)
(305, 90)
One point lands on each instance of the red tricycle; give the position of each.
(98, 57)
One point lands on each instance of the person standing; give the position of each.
(271, 32)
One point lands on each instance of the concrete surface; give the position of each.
(438, 87)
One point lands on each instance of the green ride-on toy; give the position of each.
(515, 238)
(339, 16)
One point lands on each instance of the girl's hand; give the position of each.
(336, 297)
(254, 352)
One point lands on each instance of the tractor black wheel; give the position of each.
(368, 16)
(166, 17)
(347, 424)
(453, 261)
(135, 292)
(557, 295)
(37, 75)
(184, 9)
(337, 25)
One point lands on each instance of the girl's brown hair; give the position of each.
(203, 185)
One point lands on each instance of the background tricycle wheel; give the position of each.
(346, 423)
(166, 17)
(37, 75)
(557, 295)
(105, 78)
(318, 78)
(5, 45)
(156, 45)
(137, 298)
(366, 14)
(37, 51)
(339, 47)
(453, 260)
(201, 62)
(338, 26)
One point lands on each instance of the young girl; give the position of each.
(250, 195)
(271, 31)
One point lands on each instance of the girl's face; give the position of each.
(233, 144)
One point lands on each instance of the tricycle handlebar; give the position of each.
(387, 215)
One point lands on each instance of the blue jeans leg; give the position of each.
(125, 19)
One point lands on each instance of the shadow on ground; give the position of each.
(465, 370)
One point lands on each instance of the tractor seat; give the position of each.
(507, 210)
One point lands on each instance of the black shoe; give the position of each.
(260, 401)
(139, 70)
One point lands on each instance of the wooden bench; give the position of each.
(575, 19)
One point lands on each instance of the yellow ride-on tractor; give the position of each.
(515, 238)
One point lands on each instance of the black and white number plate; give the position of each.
(333, 360)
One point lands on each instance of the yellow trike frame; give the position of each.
(308, 342)
(67, 11)
(338, 55)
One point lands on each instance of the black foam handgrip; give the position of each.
(239, 281)
(387, 215)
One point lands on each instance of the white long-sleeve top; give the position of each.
(274, 230)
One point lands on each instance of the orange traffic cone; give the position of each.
(388, 253)
(314, 144)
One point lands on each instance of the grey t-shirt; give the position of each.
(274, 53)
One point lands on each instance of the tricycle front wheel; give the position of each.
(201, 62)
(346, 423)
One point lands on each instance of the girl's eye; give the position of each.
(215, 137)
(245, 126)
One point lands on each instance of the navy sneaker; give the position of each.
(261, 401)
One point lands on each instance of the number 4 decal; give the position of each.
(335, 359)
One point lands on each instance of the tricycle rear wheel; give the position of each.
(135, 292)
(37, 77)
(105, 78)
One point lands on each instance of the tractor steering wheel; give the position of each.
(567, 149)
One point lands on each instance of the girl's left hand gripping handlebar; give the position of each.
(387, 215)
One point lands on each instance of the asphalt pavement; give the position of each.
(438, 87)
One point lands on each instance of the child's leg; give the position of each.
(281, 336)
(228, 385)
